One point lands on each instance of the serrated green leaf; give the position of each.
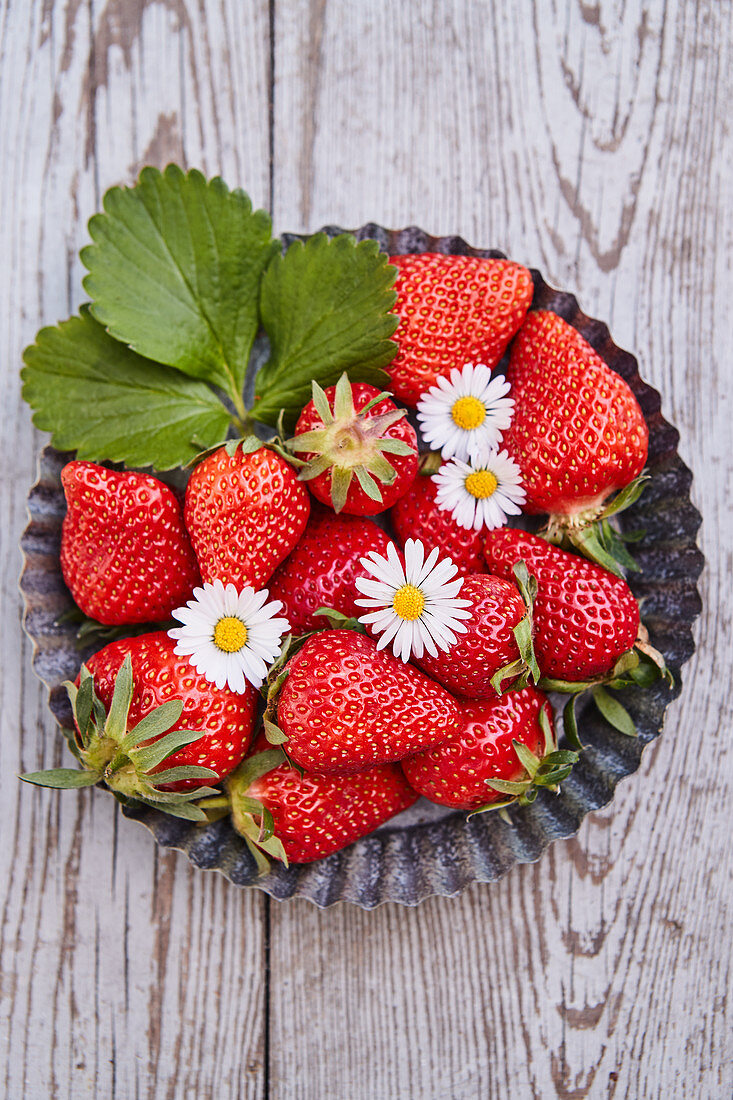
(62, 778)
(175, 270)
(326, 308)
(103, 401)
(613, 712)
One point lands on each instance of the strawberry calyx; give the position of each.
(125, 759)
(640, 666)
(520, 671)
(591, 533)
(548, 770)
(248, 444)
(350, 444)
(250, 817)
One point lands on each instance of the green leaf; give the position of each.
(326, 309)
(186, 771)
(175, 272)
(62, 778)
(504, 786)
(103, 401)
(152, 755)
(273, 733)
(570, 724)
(587, 541)
(155, 723)
(116, 724)
(613, 712)
(189, 811)
(626, 497)
(527, 758)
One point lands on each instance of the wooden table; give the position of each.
(591, 140)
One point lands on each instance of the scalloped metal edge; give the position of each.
(437, 858)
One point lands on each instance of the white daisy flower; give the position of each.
(229, 637)
(481, 495)
(416, 605)
(463, 417)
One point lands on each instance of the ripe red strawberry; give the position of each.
(125, 553)
(453, 310)
(226, 718)
(315, 815)
(584, 616)
(489, 643)
(417, 516)
(322, 568)
(346, 706)
(345, 435)
(245, 512)
(153, 728)
(458, 772)
(578, 433)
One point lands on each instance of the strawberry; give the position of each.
(322, 568)
(453, 310)
(585, 618)
(346, 706)
(312, 815)
(126, 698)
(578, 433)
(343, 435)
(125, 553)
(503, 746)
(489, 644)
(245, 511)
(416, 515)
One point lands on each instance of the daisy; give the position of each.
(229, 637)
(464, 417)
(481, 495)
(416, 605)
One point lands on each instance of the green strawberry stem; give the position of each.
(350, 444)
(122, 758)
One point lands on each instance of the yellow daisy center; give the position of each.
(230, 634)
(481, 484)
(468, 413)
(408, 602)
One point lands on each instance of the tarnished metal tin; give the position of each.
(429, 850)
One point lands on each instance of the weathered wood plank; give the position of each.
(590, 141)
(125, 973)
(592, 145)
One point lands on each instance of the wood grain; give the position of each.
(125, 973)
(591, 145)
(589, 140)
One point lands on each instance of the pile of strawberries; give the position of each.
(349, 732)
